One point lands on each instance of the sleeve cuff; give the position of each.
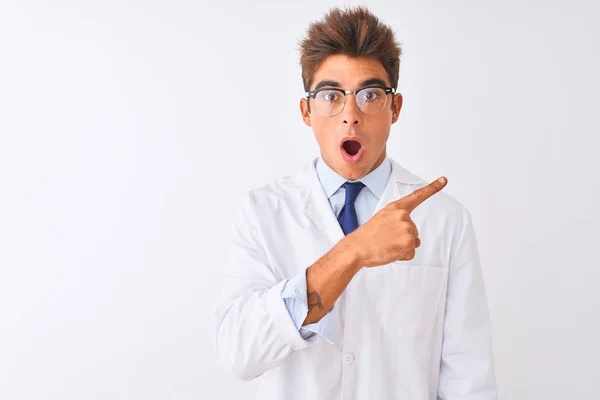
(295, 300)
(284, 325)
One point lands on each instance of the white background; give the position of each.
(130, 130)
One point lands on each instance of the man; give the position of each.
(354, 278)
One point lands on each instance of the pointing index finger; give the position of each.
(417, 197)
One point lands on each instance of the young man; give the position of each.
(354, 278)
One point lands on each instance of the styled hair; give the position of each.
(354, 32)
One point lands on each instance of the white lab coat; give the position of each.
(411, 330)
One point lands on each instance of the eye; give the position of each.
(329, 96)
(372, 94)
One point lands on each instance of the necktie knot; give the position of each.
(352, 191)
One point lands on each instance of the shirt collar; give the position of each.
(375, 180)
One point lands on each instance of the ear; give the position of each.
(304, 111)
(397, 107)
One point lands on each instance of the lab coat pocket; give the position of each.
(412, 298)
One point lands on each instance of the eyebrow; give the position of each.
(335, 84)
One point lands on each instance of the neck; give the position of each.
(378, 162)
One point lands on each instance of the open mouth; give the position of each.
(352, 151)
(352, 147)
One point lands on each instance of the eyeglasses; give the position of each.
(331, 101)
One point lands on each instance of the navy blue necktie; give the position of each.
(347, 217)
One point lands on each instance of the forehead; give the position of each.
(349, 71)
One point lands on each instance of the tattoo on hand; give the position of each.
(314, 300)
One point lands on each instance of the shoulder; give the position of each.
(284, 189)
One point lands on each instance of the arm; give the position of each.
(253, 329)
(295, 296)
(467, 367)
(328, 277)
(311, 294)
(388, 236)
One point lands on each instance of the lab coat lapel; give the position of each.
(317, 208)
(401, 183)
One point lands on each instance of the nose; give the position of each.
(351, 113)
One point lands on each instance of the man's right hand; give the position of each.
(391, 235)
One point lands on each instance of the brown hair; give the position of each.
(354, 32)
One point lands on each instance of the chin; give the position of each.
(353, 172)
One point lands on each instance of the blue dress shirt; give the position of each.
(294, 290)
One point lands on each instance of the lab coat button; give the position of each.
(348, 358)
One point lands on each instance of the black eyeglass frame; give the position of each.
(313, 94)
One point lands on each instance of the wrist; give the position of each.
(351, 255)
